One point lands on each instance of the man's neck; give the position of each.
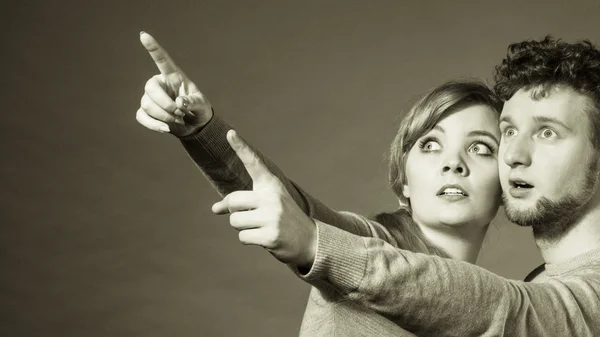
(583, 237)
(459, 243)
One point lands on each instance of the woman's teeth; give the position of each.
(453, 191)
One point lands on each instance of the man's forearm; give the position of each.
(433, 296)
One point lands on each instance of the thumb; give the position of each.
(257, 170)
(193, 102)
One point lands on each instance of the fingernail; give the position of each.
(142, 32)
(235, 137)
(184, 102)
(179, 112)
(164, 128)
(179, 121)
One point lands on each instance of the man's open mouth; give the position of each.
(519, 183)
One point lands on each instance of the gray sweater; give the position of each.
(365, 283)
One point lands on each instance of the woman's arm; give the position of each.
(211, 152)
(171, 93)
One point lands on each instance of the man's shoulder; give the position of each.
(536, 272)
(544, 272)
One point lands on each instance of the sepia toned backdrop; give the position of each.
(106, 227)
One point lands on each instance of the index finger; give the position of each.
(164, 63)
(257, 170)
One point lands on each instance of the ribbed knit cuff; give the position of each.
(340, 260)
(210, 142)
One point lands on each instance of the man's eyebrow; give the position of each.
(483, 133)
(537, 119)
(545, 119)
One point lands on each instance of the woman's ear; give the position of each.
(406, 191)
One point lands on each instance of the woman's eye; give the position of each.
(431, 146)
(481, 149)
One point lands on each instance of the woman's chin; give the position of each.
(462, 220)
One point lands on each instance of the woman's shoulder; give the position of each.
(407, 232)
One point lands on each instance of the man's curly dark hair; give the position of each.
(547, 63)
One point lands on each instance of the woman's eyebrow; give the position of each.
(483, 133)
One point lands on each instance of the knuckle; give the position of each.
(144, 102)
(232, 198)
(138, 116)
(168, 118)
(242, 237)
(149, 84)
(142, 117)
(160, 57)
(170, 106)
(254, 157)
(157, 79)
(152, 47)
(229, 200)
(272, 240)
(234, 219)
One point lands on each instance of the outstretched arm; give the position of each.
(210, 151)
(433, 296)
(427, 295)
(172, 103)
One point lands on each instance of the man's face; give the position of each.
(547, 162)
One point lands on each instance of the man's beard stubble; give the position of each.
(549, 219)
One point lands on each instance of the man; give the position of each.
(549, 168)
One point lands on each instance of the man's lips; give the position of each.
(519, 188)
(519, 183)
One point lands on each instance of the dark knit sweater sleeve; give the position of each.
(211, 153)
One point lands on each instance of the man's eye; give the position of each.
(509, 132)
(548, 134)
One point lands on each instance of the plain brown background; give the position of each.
(106, 226)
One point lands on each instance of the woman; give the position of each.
(443, 168)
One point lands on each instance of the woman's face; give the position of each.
(452, 171)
